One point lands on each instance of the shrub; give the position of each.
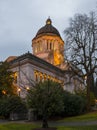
(92, 99)
(11, 104)
(73, 104)
(46, 98)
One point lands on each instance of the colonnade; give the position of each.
(40, 76)
(45, 44)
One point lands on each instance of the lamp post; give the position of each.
(27, 88)
(85, 79)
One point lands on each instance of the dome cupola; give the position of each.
(48, 29)
(48, 21)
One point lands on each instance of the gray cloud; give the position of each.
(21, 19)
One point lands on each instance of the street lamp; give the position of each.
(85, 79)
(27, 88)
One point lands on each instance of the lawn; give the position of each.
(78, 128)
(86, 117)
(17, 126)
(29, 126)
(20, 126)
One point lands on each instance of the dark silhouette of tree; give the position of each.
(10, 105)
(95, 88)
(81, 48)
(6, 80)
(46, 98)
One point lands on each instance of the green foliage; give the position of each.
(26, 126)
(92, 99)
(46, 98)
(91, 116)
(3, 108)
(18, 126)
(73, 104)
(90, 127)
(11, 104)
(81, 92)
(6, 80)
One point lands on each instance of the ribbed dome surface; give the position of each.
(48, 29)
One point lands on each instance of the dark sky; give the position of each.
(21, 19)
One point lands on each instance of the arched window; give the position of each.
(36, 49)
(36, 77)
(15, 77)
(47, 45)
(50, 46)
(39, 46)
(40, 77)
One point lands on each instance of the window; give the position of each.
(15, 77)
(40, 78)
(50, 46)
(35, 49)
(36, 78)
(47, 45)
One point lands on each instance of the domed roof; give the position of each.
(48, 29)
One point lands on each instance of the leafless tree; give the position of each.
(81, 47)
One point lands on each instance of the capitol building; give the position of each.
(46, 62)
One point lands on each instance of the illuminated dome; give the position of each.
(48, 29)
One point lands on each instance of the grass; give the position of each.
(86, 117)
(20, 126)
(78, 128)
(29, 126)
(17, 126)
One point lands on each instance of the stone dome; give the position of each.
(48, 29)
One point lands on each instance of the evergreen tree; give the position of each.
(46, 98)
(6, 80)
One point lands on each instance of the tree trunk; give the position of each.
(88, 92)
(92, 83)
(44, 122)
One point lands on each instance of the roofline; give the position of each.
(35, 58)
(46, 34)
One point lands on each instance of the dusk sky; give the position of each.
(21, 19)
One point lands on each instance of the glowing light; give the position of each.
(4, 92)
(85, 77)
(27, 88)
(58, 57)
(19, 89)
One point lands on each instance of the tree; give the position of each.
(12, 104)
(95, 88)
(74, 104)
(81, 48)
(46, 98)
(6, 80)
